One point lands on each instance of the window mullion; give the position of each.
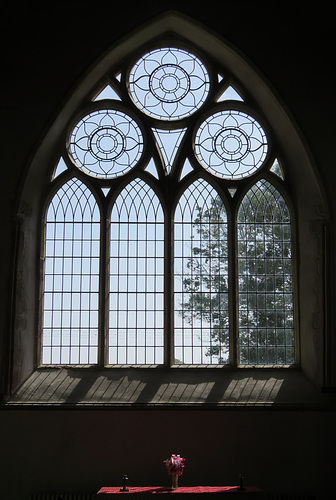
(233, 287)
(104, 280)
(168, 289)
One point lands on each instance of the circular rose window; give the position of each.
(106, 143)
(168, 83)
(231, 144)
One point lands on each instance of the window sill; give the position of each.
(125, 387)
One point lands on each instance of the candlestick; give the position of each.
(125, 479)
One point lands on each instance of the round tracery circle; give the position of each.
(106, 143)
(231, 144)
(168, 83)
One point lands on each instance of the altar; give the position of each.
(226, 492)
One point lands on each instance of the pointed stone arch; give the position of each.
(306, 187)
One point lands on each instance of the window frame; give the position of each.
(172, 182)
(304, 184)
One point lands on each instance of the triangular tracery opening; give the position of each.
(105, 191)
(168, 142)
(151, 168)
(230, 94)
(186, 169)
(61, 167)
(276, 169)
(107, 93)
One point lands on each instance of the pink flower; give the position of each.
(175, 465)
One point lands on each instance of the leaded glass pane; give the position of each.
(231, 144)
(168, 142)
(266, 330)
(71, 277)
(136, 318)
(229, 94)
(201, 318)
(106, 143)
(276, 169)
(169, 83)
(60, 168)
(107, 93)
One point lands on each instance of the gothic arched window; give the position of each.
(71, 277)
(168, 236)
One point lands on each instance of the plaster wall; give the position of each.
(83, 450)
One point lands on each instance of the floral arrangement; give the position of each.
(175, 465)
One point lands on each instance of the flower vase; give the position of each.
(174, 481)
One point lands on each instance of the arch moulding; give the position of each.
(303, 181)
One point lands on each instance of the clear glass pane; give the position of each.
(231, 144)
(71, 277)
(136, 276)
(265, 278)
(106, 143)
(169, 83)
(201, 274)
(168, 142)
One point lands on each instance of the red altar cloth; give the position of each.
(234, 490)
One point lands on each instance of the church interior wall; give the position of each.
(47, 49)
